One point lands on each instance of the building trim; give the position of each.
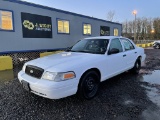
(27, 51)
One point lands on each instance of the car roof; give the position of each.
(104, 37)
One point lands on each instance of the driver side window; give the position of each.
(116, 44)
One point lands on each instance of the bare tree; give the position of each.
(130, 26)
(149, 29)
(139, 28)
(126, 29)
(156, 25)
(110, 15)
(146, 28)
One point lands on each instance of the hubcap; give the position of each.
(91, 87)
(90, 84)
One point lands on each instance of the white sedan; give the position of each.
(81, 68)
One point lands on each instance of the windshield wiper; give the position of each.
(85, 51)
(92, 52)
(82, 51)
(69, 50)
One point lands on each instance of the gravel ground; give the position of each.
(152, 59)
(124, 97)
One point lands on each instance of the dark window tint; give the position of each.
(115, 43)
(127, 44)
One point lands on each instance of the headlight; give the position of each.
(58, 76)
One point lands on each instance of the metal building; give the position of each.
(27, 27)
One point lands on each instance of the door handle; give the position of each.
(135, 52)
(124, 55)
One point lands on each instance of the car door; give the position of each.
(130, 52)
(115, 62)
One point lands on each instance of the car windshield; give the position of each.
(95, 46)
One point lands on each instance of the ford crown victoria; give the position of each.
(81, 68)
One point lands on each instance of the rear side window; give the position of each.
(115, 43)
(127, 44)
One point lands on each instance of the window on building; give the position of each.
(104, 31)
(115, 32)
(87, 29)
(63, 26)
(6, 20)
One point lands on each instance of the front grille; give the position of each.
(34, 71)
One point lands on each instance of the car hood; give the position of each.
(63, 60)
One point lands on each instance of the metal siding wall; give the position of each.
(14, 41)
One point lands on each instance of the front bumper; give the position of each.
(50, 89)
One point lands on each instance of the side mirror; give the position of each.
(113, 51)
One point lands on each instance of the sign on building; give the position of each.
(36, 26)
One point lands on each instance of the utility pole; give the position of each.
(134, 13)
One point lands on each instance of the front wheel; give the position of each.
(89, 85)
(137, 67)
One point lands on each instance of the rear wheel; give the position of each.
(137, 66)
(89, 85)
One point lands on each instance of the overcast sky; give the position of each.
(99, 8)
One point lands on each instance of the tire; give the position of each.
(137, 67)
(89, 85)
